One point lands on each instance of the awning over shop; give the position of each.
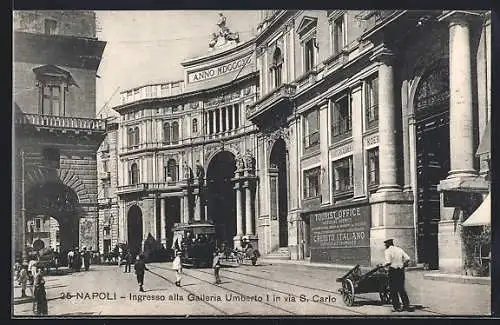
(482, 216)
(485, 143)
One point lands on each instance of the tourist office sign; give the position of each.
(341, 235)
(219, 70)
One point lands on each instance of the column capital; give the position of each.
(382, 53)
(458, 16)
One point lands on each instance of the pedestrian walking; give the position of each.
(86, 258)
(177, 266)
(32, 270)
(396, 259)
(23, 279)
(71, 257)
(216, 265)
(129, 259)
(140, 268)
(40, 307)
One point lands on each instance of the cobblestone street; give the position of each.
(269, 289)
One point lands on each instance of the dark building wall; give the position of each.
(80, 23)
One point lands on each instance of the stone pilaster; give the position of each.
(163, 222)
(239, 216)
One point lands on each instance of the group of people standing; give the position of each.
(78, 260)
(34, 275)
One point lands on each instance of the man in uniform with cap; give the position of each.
(396, 260)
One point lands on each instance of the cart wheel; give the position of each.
(384, 296)
(348, 292)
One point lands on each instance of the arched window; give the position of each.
(166, 133)
(195, 125)
(172, 169)
(276, 68)
(130, 137)
(136, 136)
(175, 132)
(134, 174)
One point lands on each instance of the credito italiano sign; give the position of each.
(218, 70)
(341, 235)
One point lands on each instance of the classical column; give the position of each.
(214, 122)
(233, 117)
(248, 209)
(220, 120)
(163, 221)
(61, 100)
(461, 110)
(227, 118)
(239, 217)
(387, 120)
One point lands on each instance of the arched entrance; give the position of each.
(279, 189)
(134, 229)
(431, 106)
(56, 200)
(221, 205)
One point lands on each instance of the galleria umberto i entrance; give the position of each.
(319, 138)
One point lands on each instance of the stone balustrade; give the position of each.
(63, 122)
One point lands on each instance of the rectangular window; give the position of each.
(105, 166)
(309, 57)
(371, 102)
(50, 26)
(38, 224)
(51, 157)
(373, 169)
(51, 100)
(148, 91)
(236, 116)
(338, 35)
(107, 231)
(154, 90)
(341, 117)
(311, 129)
(312, 183)
(343, 176)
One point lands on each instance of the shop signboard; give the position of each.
(341, 236)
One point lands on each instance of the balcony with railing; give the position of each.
(54, 122)
(273, 99)
(132, 188)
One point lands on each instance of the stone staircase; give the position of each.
(282, 253)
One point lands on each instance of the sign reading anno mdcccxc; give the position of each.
(218, 70)
(341, 235)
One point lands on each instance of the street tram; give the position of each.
(197, 243)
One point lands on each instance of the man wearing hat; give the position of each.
(396, 260)
(177, 266)
(140, 268)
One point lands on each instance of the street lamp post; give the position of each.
(23, 211)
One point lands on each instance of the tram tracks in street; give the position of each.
(218, 286)
(350, 311)
(361, 298)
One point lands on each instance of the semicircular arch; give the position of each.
(37, 175)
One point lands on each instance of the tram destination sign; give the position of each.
(341, 235)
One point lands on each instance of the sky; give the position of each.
(148, 46)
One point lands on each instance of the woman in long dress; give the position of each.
(40, 307)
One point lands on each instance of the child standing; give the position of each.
(177, 266)
(216, 265)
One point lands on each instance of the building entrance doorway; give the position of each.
(134, 229)
(221, 196)
(279, 190)
(172, 216)
(433, 158)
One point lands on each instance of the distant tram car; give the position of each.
(197, 242)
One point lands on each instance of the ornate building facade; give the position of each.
(56, 135)
(326, 134)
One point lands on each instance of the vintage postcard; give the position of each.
(251, 163)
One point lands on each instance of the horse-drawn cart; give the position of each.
(354, 282)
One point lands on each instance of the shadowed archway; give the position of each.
(56, 200)
(279, 189)
(134, 229)
(221, 196)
